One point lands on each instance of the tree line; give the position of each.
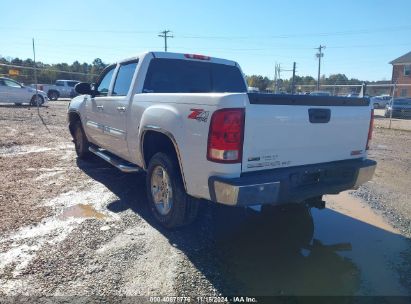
(49, 73)
(307, 83)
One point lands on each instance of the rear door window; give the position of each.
(185, 76)
(124, 77)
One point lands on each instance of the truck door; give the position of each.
(95, 116)
(116, 108)
(62, 88)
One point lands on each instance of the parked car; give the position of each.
(253, 90)
(61, 89)
(12, 91)
(189, 122)
(380, 101)
(400, 107)
(353, 95)
(320, 93)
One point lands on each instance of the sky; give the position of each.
(361, 37)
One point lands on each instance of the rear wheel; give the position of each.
(168, 201)
(81, 143)
(53, 95)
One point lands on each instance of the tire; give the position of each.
(81, 144)
(36, 100)
(171, 206)
(53, 95)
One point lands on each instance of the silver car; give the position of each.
(13, 92)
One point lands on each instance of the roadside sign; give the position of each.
(13, 72)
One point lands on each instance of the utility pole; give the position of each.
(277, 77)
(392, 102)
(293, 82)
(165, 34)
(35, 73)
(319, 55)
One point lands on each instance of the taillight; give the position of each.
(196, 56)
(225, 138)
(371, 128)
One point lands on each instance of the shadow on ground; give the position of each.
(291, 251)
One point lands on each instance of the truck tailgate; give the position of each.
(292, 130)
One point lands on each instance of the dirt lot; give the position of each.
(69, 227)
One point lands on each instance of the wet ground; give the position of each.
(70, 227)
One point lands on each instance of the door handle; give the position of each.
(100, 107)
(121, 109)
(319, 115)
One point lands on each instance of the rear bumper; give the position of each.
(293, 184)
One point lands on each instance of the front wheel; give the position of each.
(37, 100)
(168, 201)
(81, 143)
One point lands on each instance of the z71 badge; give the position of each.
(199, 115)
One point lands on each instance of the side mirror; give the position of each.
(83, 88)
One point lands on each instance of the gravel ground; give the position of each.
(70, 227)
(390, 192)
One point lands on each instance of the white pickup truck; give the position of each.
(61, 89)
(188, 121)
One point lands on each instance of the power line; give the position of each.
(164, 34)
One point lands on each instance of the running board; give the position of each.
(117, 162)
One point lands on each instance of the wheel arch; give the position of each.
(72, 118)
(53, 91)
(156, 139)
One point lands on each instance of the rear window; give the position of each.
(404, 102)
(185, 76)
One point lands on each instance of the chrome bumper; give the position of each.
(294, 184)
(364, 175)
(259, 194)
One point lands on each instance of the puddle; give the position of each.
(28, 240)
(82, 211)
(345, 249)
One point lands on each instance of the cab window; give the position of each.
(124, 77)
(105, 80)
(72, 83)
